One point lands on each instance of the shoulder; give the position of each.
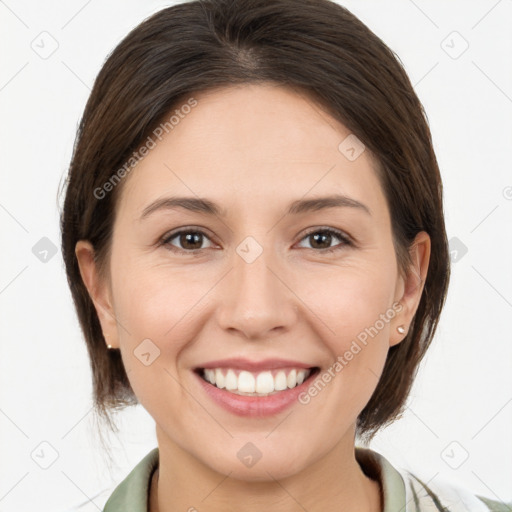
(407, 490)
(496, 506)
(446, 495)
(130, 495)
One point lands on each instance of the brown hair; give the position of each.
(313, 46)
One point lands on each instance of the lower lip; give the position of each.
(255, 406)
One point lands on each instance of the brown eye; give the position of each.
(191, 240)
(322, 239)
(188, 240)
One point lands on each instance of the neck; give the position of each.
(336, 481)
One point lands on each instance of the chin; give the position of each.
(260, 472)
(266, 465)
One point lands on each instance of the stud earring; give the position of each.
(109, 346)
(400, 329)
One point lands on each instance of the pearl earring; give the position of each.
(400, 329)
(109, 346)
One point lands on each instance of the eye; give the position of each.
(321, 239)
(191, 240)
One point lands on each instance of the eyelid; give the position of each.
(344, 237)
(167, 237)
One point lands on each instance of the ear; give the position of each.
(99, 291)
(410, 289)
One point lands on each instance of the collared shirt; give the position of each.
(402, 491)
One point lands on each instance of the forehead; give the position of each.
(253, 145)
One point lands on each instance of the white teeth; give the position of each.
(231, 380)
(292, 379)
(262, 383)
(220, 380)
(210, 375)
(280, 382)
(246, 382)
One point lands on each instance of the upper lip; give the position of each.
(246, 364)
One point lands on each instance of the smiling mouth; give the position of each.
(263, 383)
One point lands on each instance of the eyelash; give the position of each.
(166, 239)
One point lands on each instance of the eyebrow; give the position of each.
(203, 205)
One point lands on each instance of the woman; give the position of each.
(254, 238)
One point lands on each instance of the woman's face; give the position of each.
(254, 282)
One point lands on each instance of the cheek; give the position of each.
(347, 300)
(155, 301)
(157, 316)
(355, 309)
(158, 309)
(351, 308)
(165, 303)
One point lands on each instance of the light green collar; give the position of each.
(132, 494)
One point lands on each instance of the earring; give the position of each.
(400, 329)
(109, 346)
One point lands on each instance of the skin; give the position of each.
(253, 149)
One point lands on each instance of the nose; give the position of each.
(256, 300)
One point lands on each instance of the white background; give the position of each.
(461, 404)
